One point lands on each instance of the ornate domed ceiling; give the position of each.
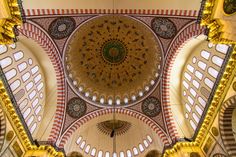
(131, 136)
(114, 74)
(113, 59)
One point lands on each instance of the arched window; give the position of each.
(141, 147)
(145, 143)
(26, 81)
(93, 152)
(107, 154)
(5, 62)
(129, 154)
(122, 154)
(114, 155)
(87, 149)
(82, 145)
(149, 138)
(135, 151)
(222, 48)
(100, 153)
(32, 129)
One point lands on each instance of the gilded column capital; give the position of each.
(220, 24)
(10, 17)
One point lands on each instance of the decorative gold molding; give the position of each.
(14, 119)
(215, 35)
(10, 16)
(215, 24)
(213, 110)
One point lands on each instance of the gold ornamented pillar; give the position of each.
(10, 17)
(43, 151)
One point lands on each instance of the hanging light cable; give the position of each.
(113, 133)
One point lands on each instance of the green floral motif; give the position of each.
(229, 6)
(114, 51)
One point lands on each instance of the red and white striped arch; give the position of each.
(225, 124)
(148, 121)
(44, 40)
(190, 30)
(2, 128)
(37, 34)
(171, 12)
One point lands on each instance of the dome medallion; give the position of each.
(113, 51)
(113, 60)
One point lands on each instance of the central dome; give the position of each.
(113, 59)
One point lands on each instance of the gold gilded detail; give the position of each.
(17, 149)
(215, 24)
(212, 112)
(216, 35)
(10, 112)
(10, 16)
(10, 135)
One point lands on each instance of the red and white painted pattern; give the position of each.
(101, 112)
(2, 128)
(36, 12)
(41, 37)
(226, 129)
(191, 30)
(35, 33)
